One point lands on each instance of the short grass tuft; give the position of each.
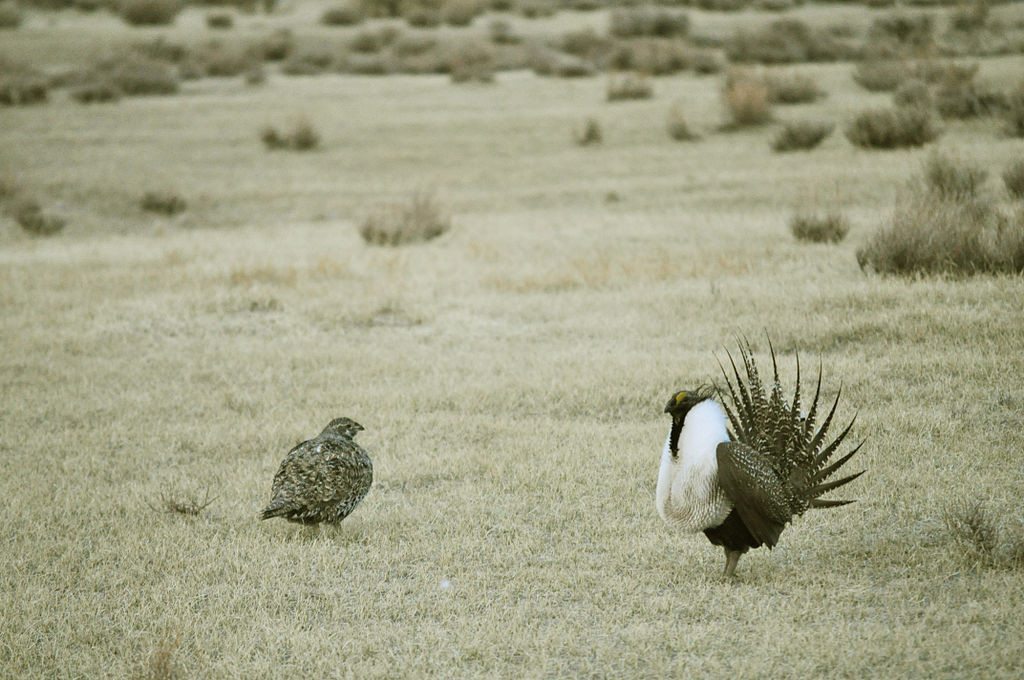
(801, 135)
(629, 85)
(588, 133)
(421, 219)
(163, 203)
(300, 136)
(981, 538)
(828, 227)
(677, 126)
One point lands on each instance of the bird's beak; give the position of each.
(670, 405)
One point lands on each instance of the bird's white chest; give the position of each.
(688, 496)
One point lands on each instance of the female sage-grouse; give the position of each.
(322, 479)
(741, 487)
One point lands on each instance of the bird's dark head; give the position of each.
(683, 400)
(342, 427)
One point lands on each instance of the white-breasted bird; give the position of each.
(742, 486)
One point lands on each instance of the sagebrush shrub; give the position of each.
(953, 178)
(792, 89)
(1014, 113)
(342, 15)
(784, 41)
(422, 219)
(220, 21)
(933, 234)
(901, 32)
(677, 127)
(982, 538)
(136, 75)
(635, 22)
(624, 86)
(1013, 178)
(96, 91)
(589, 133)
(502, 33)
(472, 62)
(423, 17)
(278, 45)
(22, 89)
(706, 62)
(30, 216)
(653, 56)
(10, 15)
(308, 63)
(746, 100)
(301, 136)
(545, 62)
(801, 135)
(163, 203)
(827, 227)
(913, 92)
(460, 12)
(894, 128)
(881, 75)
(150, 12)
(956, 98)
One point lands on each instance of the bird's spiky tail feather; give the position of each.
(278, 507)
(798, 449)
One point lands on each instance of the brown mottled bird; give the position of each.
(322, 479)
(742, 485)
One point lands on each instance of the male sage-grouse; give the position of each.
(322, 479)
(741, 486)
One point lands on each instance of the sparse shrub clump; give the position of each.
(981, 538)
(29, 214)
(96, 91)
(951, 178)
(278, 45)
(472, 62)
(900, 32)
(913, 92)
(342, 15)
(653, 56)
(801, 135)
(460, 12)
(880, 75)
(220, 21)
(894, 128)
(302, 136)
(163, 203)
(746, 100)
(1013, 178)
(589, 133)
(22, 89)
(677, 127)
(10, 15)
(636, 22)
(1015, 112)
(829, 227)
(785, 41)
(624, 86)
(963, 98)
(422, 219)
(792, 89)
(150, 12)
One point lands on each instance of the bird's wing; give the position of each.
(284, 471)
(757, 492)
(346, 469)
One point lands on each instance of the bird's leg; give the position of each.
(732, 557)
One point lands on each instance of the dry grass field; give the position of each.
(510, 374)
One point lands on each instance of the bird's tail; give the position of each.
(277, 508)
(763, 418)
